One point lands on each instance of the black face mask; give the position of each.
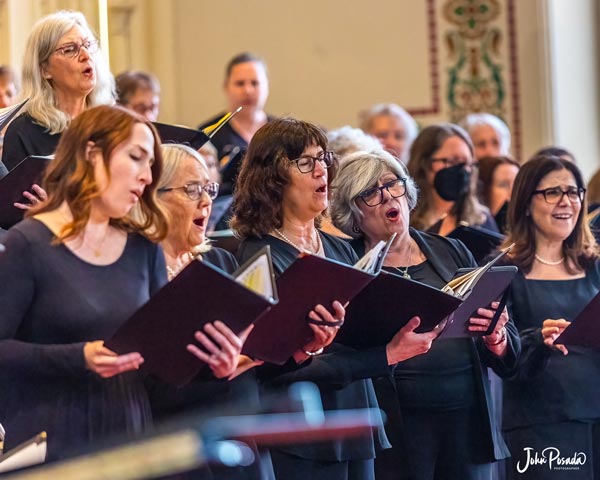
(452, 183)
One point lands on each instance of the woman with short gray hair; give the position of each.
(448, 428)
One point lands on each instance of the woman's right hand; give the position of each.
(323, 334)
(107, 363)
(40, 196)
(551, 329)
(407, 343)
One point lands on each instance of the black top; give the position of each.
(339, 373)
(52, 303)
(488, 223)
(205, 391)
(453, 373)
(549, 386)
(24, 137)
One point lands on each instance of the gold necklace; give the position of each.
(97, 250)
(404, 272)
(300, 249)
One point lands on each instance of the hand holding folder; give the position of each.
(390, 301)
(161, 329)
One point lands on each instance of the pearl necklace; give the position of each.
(549, 262)
(286, 239)
(187, 257)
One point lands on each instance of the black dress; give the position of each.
(25, 137)
(51, 304)
(440, 416)
(342, 375)
(552, 403)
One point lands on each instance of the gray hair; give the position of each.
(474, 120)
(346, 140)
(360, 171)
(42, 42)
(174, 154)
(367, 117)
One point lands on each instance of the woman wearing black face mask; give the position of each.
(442, 165)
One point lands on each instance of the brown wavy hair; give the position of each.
(429, 141)
(70, 176)
(579, 248)
(264, 174)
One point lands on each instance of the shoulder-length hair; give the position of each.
(487, 167)
(42, 42)
(358, 172)
(174, 155)
(70, 176)
(579, 248)
(427, 143)
(264, 174)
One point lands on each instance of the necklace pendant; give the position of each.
(406, 275)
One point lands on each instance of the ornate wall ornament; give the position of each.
(475, 46)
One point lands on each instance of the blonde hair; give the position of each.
(174, 155)
(42, 42)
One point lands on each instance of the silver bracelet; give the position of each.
(502, 338)
(313, 354)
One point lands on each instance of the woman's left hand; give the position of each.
(495, 341)
(223, 346)
(40, 196)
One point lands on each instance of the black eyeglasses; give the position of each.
(374, 196)
(451, 162)
(194, 190)
(554, 195)
(306, 163)
(72, 50)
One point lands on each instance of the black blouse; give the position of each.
(549, 386)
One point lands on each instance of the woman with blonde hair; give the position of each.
(64, 73)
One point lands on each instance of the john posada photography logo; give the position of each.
(550, 458)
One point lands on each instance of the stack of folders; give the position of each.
(390, 301)
(380, 304)
(201, 293)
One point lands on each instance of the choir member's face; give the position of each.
(391, 133)
(8, 93)
(188, 217)
(305, 197)
(71, 77)
(454, 150)
(130, 173)
(503, 180)
(486, 142)
(390, 216)
(247, 86)
(554, 222)
(145, 102)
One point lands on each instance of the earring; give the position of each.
(355, 228)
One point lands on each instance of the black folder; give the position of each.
(585, 329)
(177, 134)
(18, 180)
(376, 314)
(480, 241)
(309, 281)
(161, 329)
(493, 286)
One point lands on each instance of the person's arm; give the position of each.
(15, 148)
(17, 294)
